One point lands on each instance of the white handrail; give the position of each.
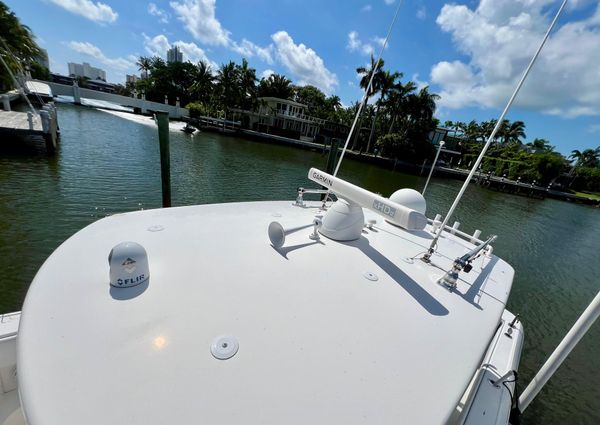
(585, 321)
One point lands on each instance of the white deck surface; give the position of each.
(318, 342)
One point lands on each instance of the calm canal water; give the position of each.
(107, 164)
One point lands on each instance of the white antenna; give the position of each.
(364, 99)
(393, 212)
(431, 250)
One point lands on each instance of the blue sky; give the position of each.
(471, 53)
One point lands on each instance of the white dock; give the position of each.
(27, 124)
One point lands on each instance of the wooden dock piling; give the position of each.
(162, 120)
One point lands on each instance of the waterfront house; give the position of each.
(284, 117)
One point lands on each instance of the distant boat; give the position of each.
(188, 129)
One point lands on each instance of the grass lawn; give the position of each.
(591, 195)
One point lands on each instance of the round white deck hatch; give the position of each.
(224, 347)
(128, 263)
(371, 276)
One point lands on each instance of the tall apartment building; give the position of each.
(174, 55)
(86, 70)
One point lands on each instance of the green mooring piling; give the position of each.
(333, 155)
(162, 120)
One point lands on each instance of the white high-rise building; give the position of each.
(174, 55)
(86, 70)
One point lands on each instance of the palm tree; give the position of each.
(227, 84)
(425, 104)
(204, 82)
(386, 83)
(541, 145)
(276, 86)
(397, 101)
(473, 131)
(144, 64)
(247, 85)
(587, 158)
(514, 132)
(332, 107)
(376, 67)
(17, 45)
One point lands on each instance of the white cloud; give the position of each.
(162, 15)
(198, 17)
(158, 46)
(267, 73)
(192, 52)
(422, 13)
(366, 8)
(594, 128)
(420, 84)
(355, 44)
(379, 40)
(499, 39)
(95, 11)
(388, 2)
(249, 49)
(89, 49)
(303, 63)
(116, 67)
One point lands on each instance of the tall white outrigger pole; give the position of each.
(437, 154)
(431, 250)
(569, 342)
(367, 90)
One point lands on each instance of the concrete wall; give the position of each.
(144, 105)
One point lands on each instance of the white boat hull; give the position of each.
(10, 407)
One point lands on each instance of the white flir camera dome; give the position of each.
(128, 263)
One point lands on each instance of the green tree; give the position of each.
(203, 85)
(247, 90)
(586, 158)
(416, 120)
(376, 71)
(39, 72)
(17, 46)
(313, 98)
(144, 64)
(514, 132)
(541, 145)
(386, 84)
(396, 102)
(227, 85)
(276, 86)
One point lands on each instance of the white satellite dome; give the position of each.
(410, 198)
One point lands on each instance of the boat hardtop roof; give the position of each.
(328, 332)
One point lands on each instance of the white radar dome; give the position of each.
(410, 198)
(128, 263)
